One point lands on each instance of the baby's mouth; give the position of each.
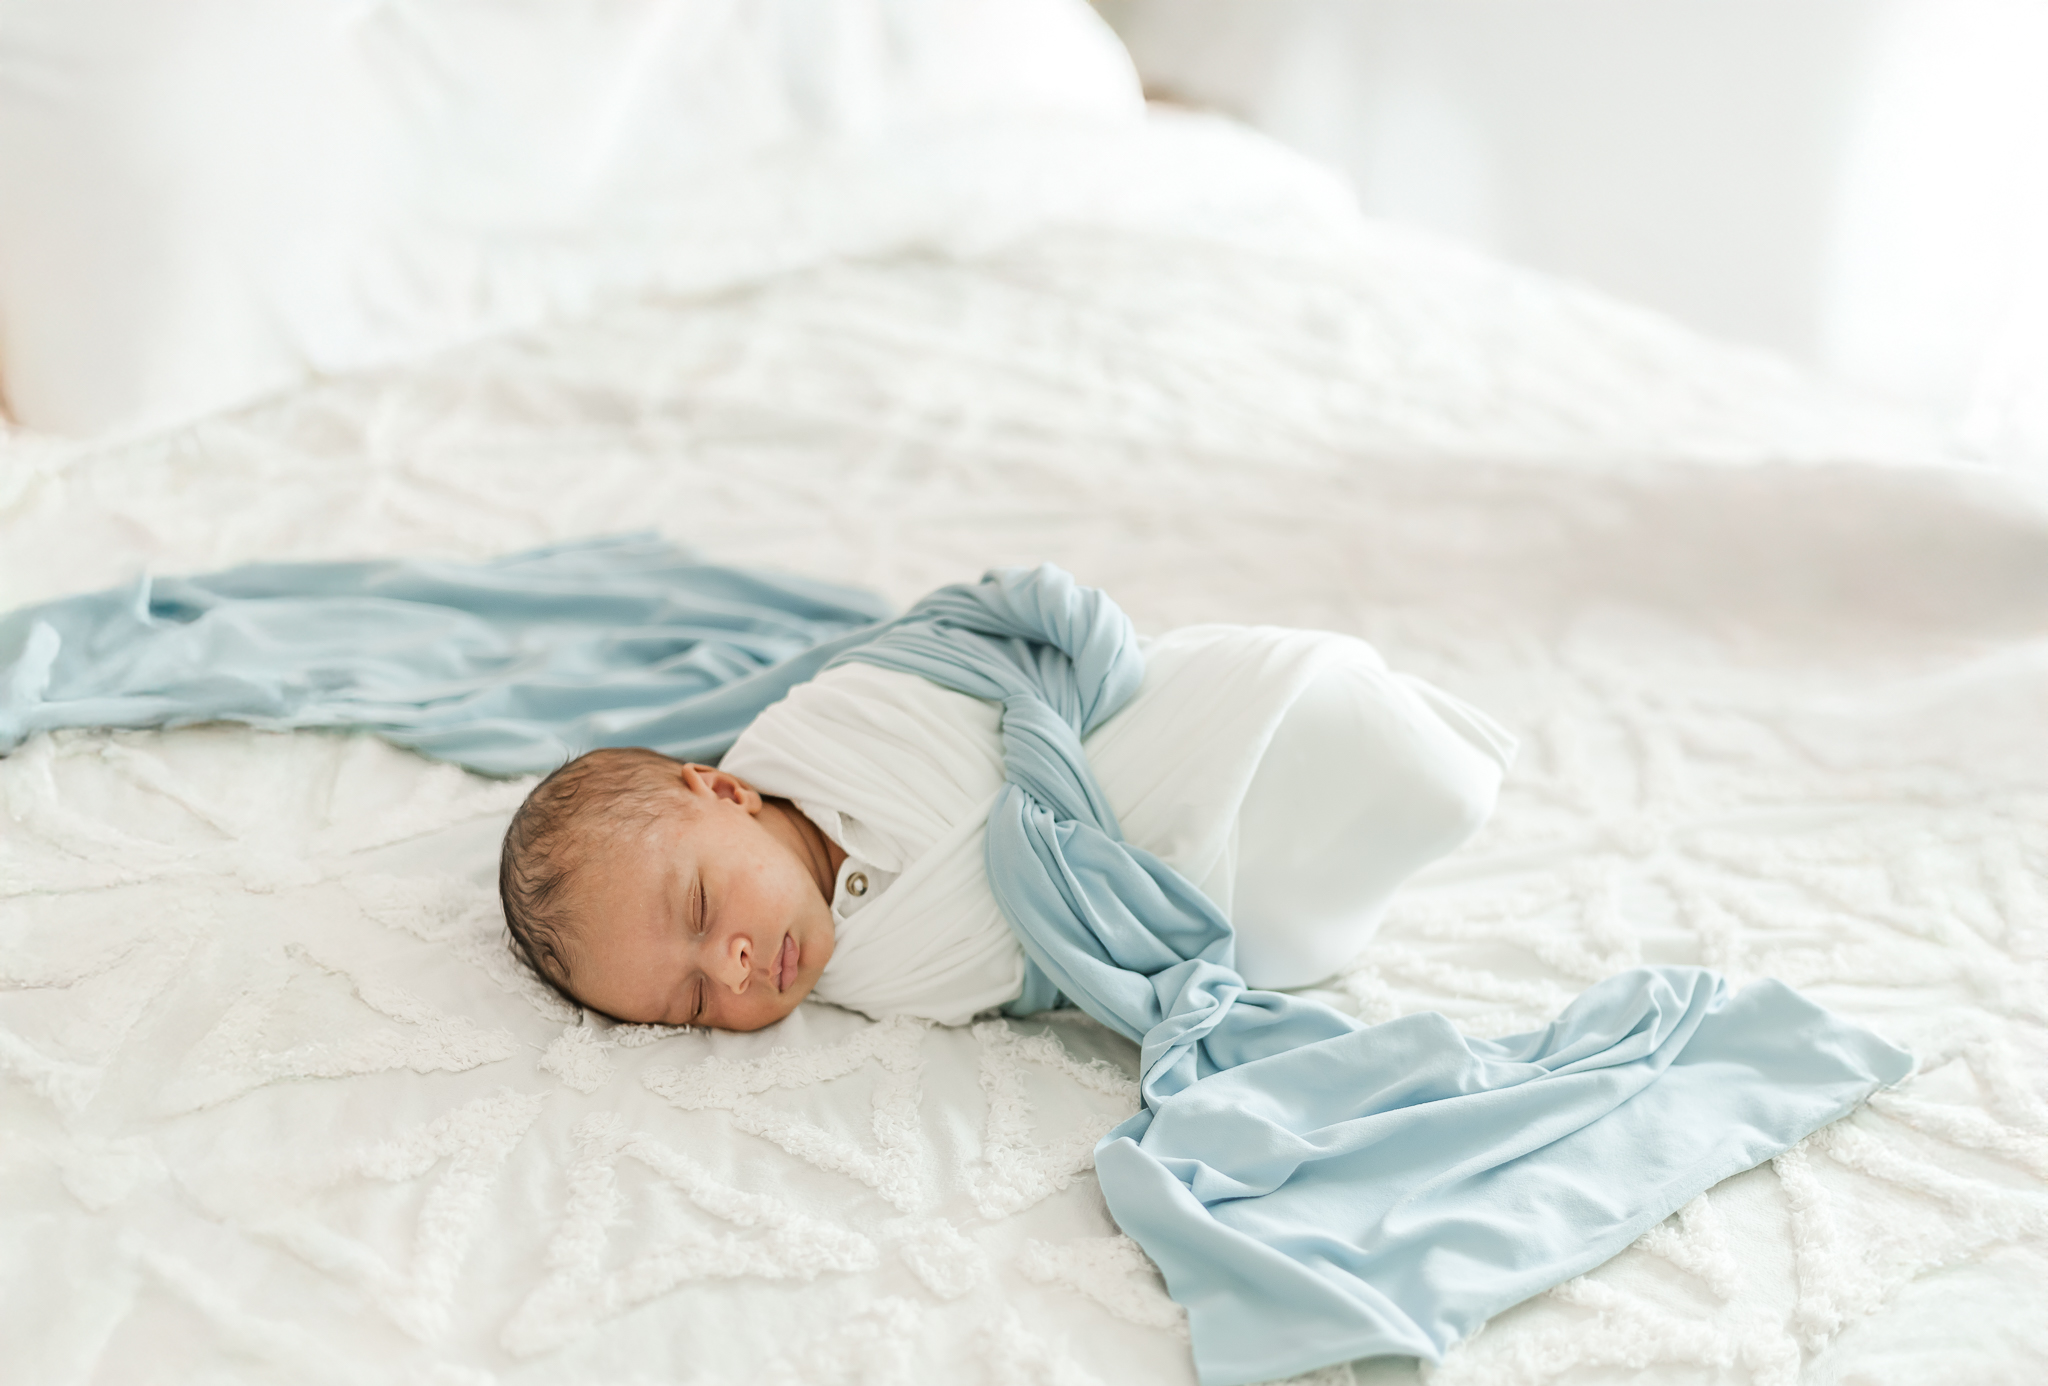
(786, 962)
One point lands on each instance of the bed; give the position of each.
(276, 1103)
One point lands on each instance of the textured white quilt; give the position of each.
(275, 1104)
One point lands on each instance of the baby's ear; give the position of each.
(723, 784)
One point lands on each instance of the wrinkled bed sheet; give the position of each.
(275, 1104)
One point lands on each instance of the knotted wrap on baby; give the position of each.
(1315, 1189)
(1288, 774)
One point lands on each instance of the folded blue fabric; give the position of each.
(509, 667)
(1315, 1189)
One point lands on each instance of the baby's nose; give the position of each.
(739, 964)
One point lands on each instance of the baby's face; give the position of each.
(718, 914)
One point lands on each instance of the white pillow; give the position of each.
(205, 201)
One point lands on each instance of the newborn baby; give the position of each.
(836, 851)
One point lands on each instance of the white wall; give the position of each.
(1860, 184)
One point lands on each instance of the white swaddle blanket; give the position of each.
(1287, 773)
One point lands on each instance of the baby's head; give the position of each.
(666, 893)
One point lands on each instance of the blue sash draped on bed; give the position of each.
(508, 667)
(1314, 1189)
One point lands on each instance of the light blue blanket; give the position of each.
(1314, 1189)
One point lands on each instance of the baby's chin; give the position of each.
(785, 1002)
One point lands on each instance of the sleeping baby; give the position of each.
(836, 851)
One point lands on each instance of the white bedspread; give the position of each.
(275, 1105)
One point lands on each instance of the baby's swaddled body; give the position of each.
(1287, 773)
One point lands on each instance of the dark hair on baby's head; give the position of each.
(592, 799)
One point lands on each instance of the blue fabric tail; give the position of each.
(509, 667)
